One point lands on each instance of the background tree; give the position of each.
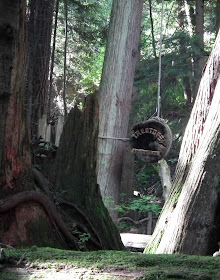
(189, 222)
(15, 155)
(32, 211)
(178, 54)
(39, 39)
(116, 93)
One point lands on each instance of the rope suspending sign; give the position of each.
(152, 139)
(160, 55)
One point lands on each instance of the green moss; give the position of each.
(152, 266)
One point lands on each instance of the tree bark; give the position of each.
(15, 155)
(39, 39)
(52, 61)
(182, 23)
(165, 178)
(152, 29)
(116, 94)
(199, 59)
(29, 217)
(190, 220)
(8, 30)
(21, 224)
(65, 58)
(217, 15)
(75, 176)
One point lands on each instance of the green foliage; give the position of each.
(145, 204)
(82, 237)
(87, 33)
(142, 205)
(180, 49)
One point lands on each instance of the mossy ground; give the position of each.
(105, 264)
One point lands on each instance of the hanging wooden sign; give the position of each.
(151, 140)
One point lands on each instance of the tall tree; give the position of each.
(52, 60)
(31, 211)
(217, 15)
(15, 161)
(152, 29)
(199, 31)
(190, 220)
(65, 58)
(182, 18)
(39, 39)
(116, 93)
(15, 156)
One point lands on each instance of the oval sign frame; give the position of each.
(151, 140)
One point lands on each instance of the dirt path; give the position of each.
(69, 273)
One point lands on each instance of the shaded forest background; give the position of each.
(64, 58)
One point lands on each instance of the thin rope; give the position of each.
(114, 138)
(159, 74)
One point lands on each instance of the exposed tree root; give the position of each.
(15, 200)
(47, 201)
(45, 185)
(99, 243)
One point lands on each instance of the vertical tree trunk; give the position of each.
(39, 39)
(52, 61)
(14, 152)
(217, 15)
(199, 60)
(182, 23)
(189, 222)
(20, 223)
(65, 54)
(116, 93)
(75, 175)
(7, 52)
(127, 180)
(191, 5)
(152, 29)
(27, 216)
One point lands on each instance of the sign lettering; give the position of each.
(145, 130)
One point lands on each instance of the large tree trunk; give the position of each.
(15, 156)
(116, 94)
(31, 211)
(190, 220)
(39, 39)
(20, 222)
(75, 178)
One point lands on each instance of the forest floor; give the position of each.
(47, 263)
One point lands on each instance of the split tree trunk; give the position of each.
(190, 220)
(116, 94)
(75, 177)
